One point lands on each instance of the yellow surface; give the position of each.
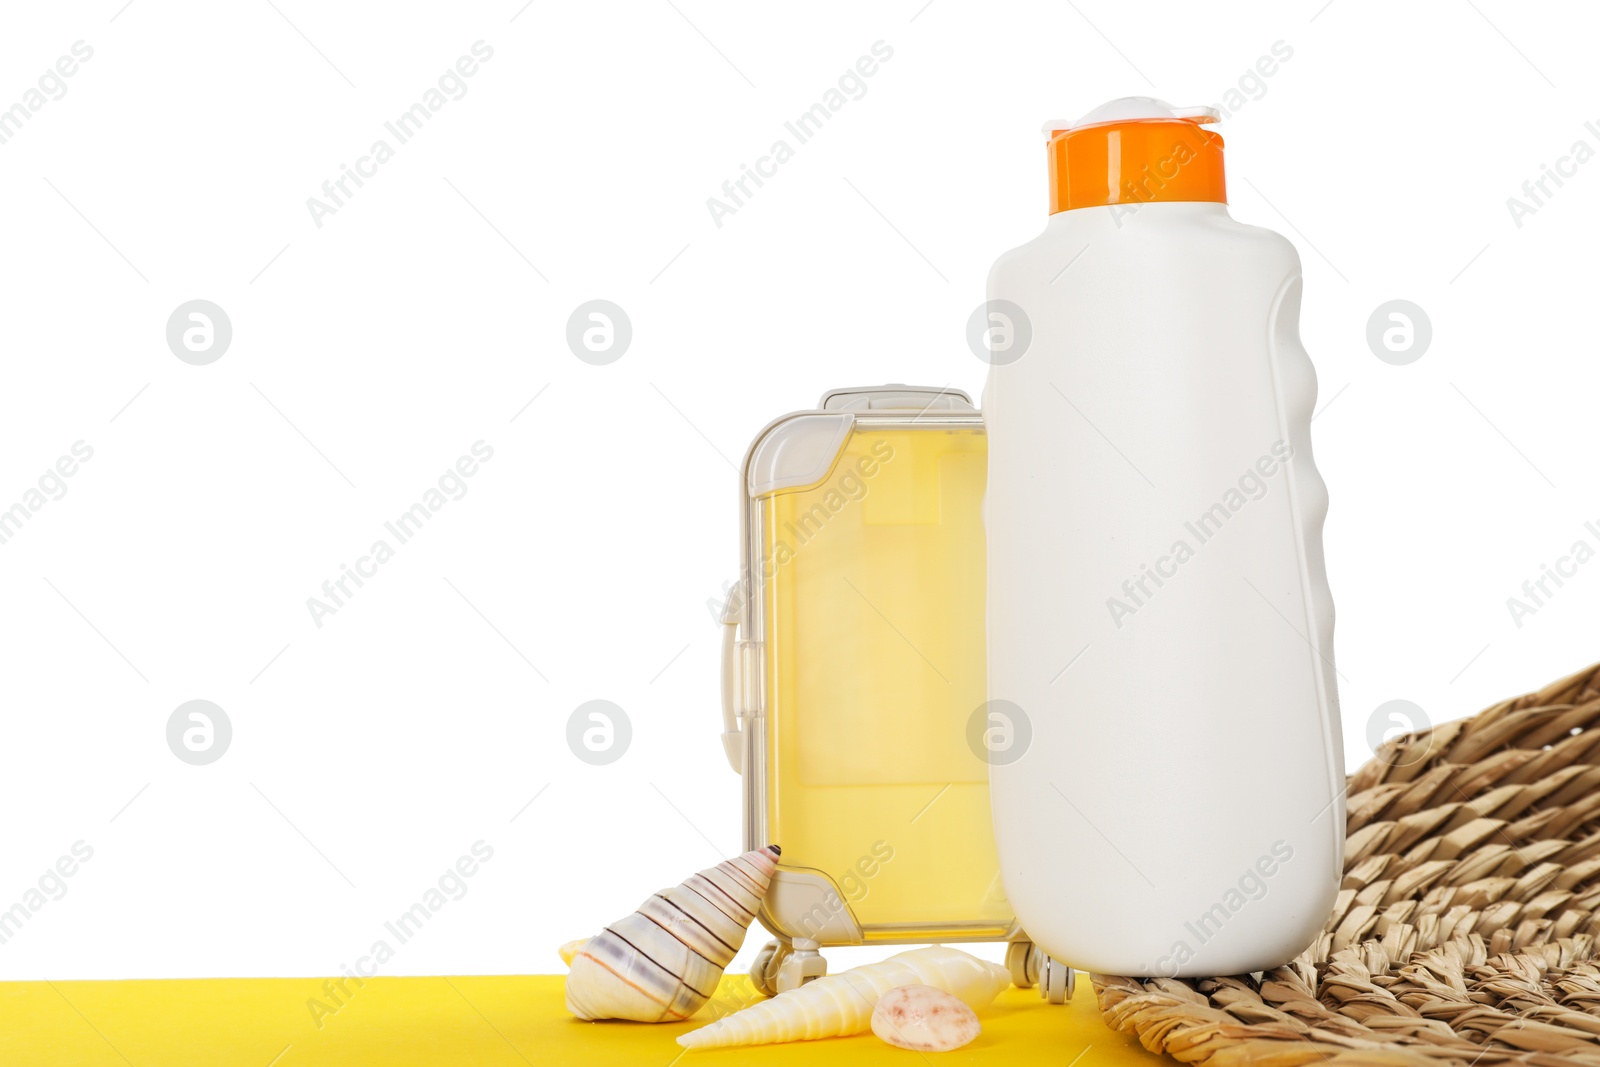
(875, 664)
(482, 1022)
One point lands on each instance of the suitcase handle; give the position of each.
(896, 396)
(732, 740)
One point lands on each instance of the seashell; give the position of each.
(663, 962)
(570, 949)
(924, 1019)
(842, 1004)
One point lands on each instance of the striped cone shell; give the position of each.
(663, 962)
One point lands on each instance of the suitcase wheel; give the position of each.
(764, 971)
(1017, 963)
(1056, 981)
(800, 963)
(1029, 966)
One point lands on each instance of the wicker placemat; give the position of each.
(1465, 930)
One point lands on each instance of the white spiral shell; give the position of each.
(663, 962)
(841, 1004)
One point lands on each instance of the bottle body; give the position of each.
(1158, 610)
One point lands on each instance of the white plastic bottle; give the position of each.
(1159, 623)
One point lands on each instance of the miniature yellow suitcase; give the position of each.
(854, 683)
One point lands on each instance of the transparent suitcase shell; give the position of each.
(854, 666)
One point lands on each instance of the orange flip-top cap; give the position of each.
(1135, 161)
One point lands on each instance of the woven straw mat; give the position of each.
(1465, 930)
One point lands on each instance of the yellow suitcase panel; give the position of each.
(871, 601)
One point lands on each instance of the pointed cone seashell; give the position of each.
(841, 1004)
(663, 962)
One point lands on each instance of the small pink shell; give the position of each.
(923, 1019)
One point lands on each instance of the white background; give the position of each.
(369, 353)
